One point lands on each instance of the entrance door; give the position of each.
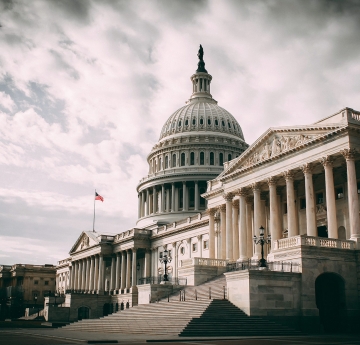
(322, 231)
(83, 313)
(330, 300)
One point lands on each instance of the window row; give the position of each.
(223, 123)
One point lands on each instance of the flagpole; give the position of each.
(94, 213)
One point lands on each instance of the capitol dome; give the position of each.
(195, 143)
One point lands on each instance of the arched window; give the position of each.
(216, 122)
(186, 122)
(223, 123)
(194, 121)
(229, 157)
(160, 165)
(192, 158)
(179, 123)
(202, 158)
(183, 159)
(209, 122)
(229, 124)
(212, 160)
(201, 121)
(166, 162)
(174, 160)
(221, 158)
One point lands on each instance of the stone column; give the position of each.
(117, 272)
(172, 197)
(128, 269)
(91, 278)
(330, 197)
(142, 210)
(176, 199)
(222, 210)
(72, 276)
(290, 200)
(199, 237)
(139, 205)
(212, 233)
(147, 263)
(257, 217)
(83, 280)
(197, 196)
(112, 273)
(154, 200)
(311, 228)
(184, 197)
(101, 281)
(133, 273)
(88, 270)
(123, 270)
(353, 198)
(229, 222)
(147, 202)
(162, 198)
(80, 275)
(235, 228)
(275, 229)
(96, 273)
(249, 227)
(243, 253)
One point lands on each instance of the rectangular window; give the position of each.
(302, 203)
(319, 198)
(339, 193)
(36, 282)
(206, 244)
(194, 247)
(46, 282)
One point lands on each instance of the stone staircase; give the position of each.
(201, 317)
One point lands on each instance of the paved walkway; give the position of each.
(63, 337)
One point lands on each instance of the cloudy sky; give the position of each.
(85, 87)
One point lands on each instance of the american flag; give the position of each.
(98, 197)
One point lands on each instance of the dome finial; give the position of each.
(201, 63)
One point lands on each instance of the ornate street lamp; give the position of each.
(262, 240)
(165, 260)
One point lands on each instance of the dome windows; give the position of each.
(201, 121)
(221, 159)
(166, 162)
(194, 121)
(174, 160)
(223, 123)
(229, 125)
(209, 121)
(186, 122)
(182, 160)
(229, 157)
(212, 160)
(202, 158)
(179, 123)
(192, 158)
(216, 122)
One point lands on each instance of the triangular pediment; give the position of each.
(276, 142)
(85, 240)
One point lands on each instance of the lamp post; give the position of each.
(262, 240)
(165, 260)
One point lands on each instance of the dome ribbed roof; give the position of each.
(201, 116)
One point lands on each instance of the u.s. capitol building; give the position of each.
(209, 196)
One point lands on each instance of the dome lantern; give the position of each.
(201, 80)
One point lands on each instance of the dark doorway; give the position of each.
(83, 313)
(106, 309)
(330, 300)
(322, 231)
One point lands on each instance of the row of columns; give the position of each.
(237, 218)
(150, 202)
(88, 274)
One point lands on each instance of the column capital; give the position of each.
(199, 237)
(255, 187)
(173, 244)
(349, 154)
(235, 203)
(228, 196)
(272, 181)
(212, 211)
(222, 208)
(242, 192)
(307, 168)
(326, 161)
(288, 175)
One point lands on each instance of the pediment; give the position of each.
(85, 240)
(276, 142)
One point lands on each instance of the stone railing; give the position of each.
(303, 240)
(204, 262)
